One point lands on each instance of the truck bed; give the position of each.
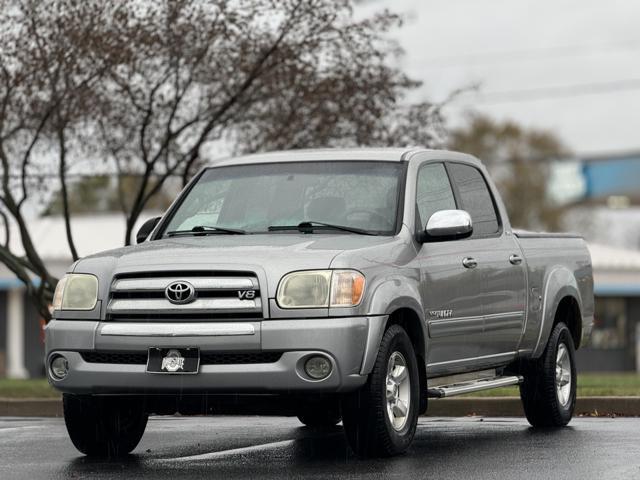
(556, 262)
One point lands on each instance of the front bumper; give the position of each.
(350, 343)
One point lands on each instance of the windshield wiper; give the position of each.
(308, 227)
(206, 230)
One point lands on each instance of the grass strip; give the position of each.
(589, 384)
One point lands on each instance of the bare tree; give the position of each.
(261, 75)
(518, 159)
(141, 87)
(27, 112)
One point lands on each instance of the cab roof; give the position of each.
(342, 154)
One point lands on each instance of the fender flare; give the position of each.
(560, 283)
(389, 296)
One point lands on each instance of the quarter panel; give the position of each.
(557, 267)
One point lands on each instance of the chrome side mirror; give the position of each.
(448, 225)
(146, 229)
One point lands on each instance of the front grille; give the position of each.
(206, 358)
(192, 317)
(185, 273)
(218, 295)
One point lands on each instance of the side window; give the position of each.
(433, 192)
(475, 198)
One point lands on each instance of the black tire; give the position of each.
(104, 426)
(540, 397)
(320, 414)
(364, 413)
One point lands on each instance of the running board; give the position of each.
(473, 386)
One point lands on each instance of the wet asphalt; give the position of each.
(277, 447)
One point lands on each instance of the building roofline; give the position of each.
(611, 156)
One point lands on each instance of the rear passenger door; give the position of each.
(500, 266)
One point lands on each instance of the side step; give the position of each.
(473, 386)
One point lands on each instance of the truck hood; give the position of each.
(272, 255)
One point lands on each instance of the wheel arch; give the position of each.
(401, 312)
(400, 300)
(409, 319)
(568, 310)
(562, 301)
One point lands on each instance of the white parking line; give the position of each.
(233, 451)
(16, 429)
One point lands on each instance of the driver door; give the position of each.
(451, 292)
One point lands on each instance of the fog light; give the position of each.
(59, 367)
(318, 367)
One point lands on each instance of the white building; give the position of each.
(21, 335)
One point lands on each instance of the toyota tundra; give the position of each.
(335, 285)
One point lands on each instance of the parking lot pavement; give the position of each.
(276, 447)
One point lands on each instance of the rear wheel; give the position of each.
(104, 426)
(380, 419)
(549, 389)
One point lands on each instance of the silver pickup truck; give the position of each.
(335, 285)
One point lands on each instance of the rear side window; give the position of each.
(475, 198)
(433, 192)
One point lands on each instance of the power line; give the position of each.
(543, 53)
(560, 91)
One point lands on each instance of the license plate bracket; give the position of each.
(174, 361)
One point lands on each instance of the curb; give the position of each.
(512, 407)
(30, 407)
(446, 407)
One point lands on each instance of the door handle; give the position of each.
(515, 259)
(469, 262)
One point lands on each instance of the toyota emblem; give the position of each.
(180, 292)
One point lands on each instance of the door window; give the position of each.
(433, 192)
(475, 198)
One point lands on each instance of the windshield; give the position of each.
(252, 198)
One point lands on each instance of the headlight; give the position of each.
(76, 291)
(305, 289)
(320, 289)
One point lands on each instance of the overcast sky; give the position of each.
(569, 65)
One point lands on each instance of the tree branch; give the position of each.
(62, 176)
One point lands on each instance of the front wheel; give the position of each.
(104, 426)
(548, 392)
(380, 419)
